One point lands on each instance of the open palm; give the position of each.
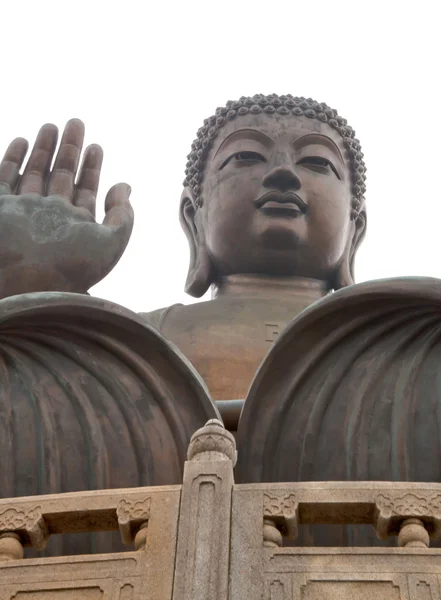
(49, 239)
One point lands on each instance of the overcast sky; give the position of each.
(143, 75)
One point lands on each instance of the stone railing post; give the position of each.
(203, 548)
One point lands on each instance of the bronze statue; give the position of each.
(273, 209)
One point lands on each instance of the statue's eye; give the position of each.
(319, 161)
(245, 158)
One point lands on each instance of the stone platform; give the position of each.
(211, 539)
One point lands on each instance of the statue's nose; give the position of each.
(282, 178)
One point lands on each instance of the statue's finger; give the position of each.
(119, 211)
(37, 169)
(62, 178)
(89, 179)
(11, 164)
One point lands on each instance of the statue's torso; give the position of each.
(227, 338)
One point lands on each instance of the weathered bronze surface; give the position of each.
(357, 374)
(89, 386)
(227, 337)
(91, 398)
(49, 240)
(357, 383)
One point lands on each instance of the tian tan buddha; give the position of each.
(339, 380)
(272, 208)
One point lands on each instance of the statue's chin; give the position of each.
(281, 235)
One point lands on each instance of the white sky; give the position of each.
(143, 75)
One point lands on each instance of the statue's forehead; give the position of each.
(275, 126)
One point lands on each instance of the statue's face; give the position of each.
(277, 198)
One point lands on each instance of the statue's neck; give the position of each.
(267, 286)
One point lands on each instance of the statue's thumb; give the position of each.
(119, 212)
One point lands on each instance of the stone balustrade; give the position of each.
(212, 539)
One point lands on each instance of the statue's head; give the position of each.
(274, 185)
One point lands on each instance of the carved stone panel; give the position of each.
(278, 587)
(350, 590)
(392, 508)
(28, 523)
(203, 541)
(71, 593)
(423, 587)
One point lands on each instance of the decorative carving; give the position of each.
(28, 524)
(131, 515)
(275, 505)
(410, 504)
(212, 442)
(391, 509)
(130, 510)
(12, 518)
(282, 510)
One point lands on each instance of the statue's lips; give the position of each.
(276, 204)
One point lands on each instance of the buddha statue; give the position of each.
(273, 209)
(95, 397)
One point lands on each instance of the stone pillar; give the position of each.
(203, 549)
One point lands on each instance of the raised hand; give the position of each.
(49, 240)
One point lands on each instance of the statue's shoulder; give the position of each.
(180, 315)
(157, 317)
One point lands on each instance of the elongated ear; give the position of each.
(344, 275)
(200, 270)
